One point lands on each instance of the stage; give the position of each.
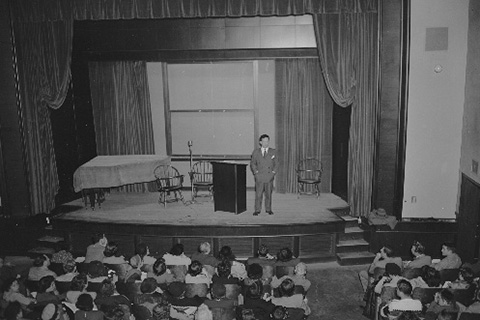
(309, 225)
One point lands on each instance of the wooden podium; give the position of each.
(230, 186)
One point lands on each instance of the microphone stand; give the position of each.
(190, 144)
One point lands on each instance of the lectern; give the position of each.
(230, 186)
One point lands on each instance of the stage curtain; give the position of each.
(42, 67)
(121, 110)
(348, 52)
(303, 120)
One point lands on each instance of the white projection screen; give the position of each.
(213, 105)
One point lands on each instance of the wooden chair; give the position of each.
(449, 274)
(201, 177)
(469, 316)
(196, 289)
(281, 271)
(62, 286)
(411, 273)
(168, 181)
(426, 295)
(309, 176)
(465, 296)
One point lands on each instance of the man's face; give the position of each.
(445, 251)
(264, 142)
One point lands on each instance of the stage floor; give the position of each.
(144, 209)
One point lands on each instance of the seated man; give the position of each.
(384, 256)
(405, 303)
(299, 277)
(452, 259)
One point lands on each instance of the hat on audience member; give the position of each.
(392, 268)
(381, 212)
(218, 290)
(49, 311)
(148, 285)
(177, 289)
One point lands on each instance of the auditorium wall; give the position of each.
(435, 107)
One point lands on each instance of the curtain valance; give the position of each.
(53, 10)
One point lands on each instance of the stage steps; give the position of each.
(352, 248)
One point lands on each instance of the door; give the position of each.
(468, 220)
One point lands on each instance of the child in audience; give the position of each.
(254, 273)
(160, 273)
(219, 301)
(444, 300)
(452, 259)
(464, 281)
(85, 309)
(197, 274)
(282, 313)
(40, 268)
(299, 277)
(288, 298)
(151, 295)
(95, 250)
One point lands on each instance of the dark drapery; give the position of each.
(29, 16)
(121, 109)
(303, 121)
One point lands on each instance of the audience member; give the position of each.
(108, 298)
(219, 301)
(204, 255)
(238, 269)
(111, 254)
(160, 273)
(475, 306)
(150, 296)
(63, 255)
(142, 259)
(253, 300)
(390, 279)
(464, 281)
(95, 250)
(40, 268)
(11, 293)
(224, 275)
(78, 287)
(197, 274)
(47, 292)
(405, 302)
(384, 256)
(85, 309)
(288, 298)
(177, 261)
(420, 259)
(54, 311)
(226, 253)
(285, 258)
(263, 257)
(182, 307)
(446, 315)
(429, 278)
(69, 271)
(452, 259)
(299, 277)
(444, 300)
(254, 273)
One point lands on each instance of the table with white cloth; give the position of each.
(104, 172)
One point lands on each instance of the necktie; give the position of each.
(264, 151)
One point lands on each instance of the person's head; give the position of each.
(149, 285)
(255, 290)
(446, 315)
(41, 261)
(417, 248)
(177, 289)
(205, 248)
(285, 254)
(408, 315)
(466, 274)
(11, 285)
(264, 140)
(404, 288)
(262, 251)
(52, 312)
(114, 313)
(386, 252)
(159, 267)
(141, 249)
(279, 313)
(431, 276)
(286, 288)
(111, 249)
(218, 290)
(79, 282)
(161, 311)
(224, 268)
(392, 269)
(448, 248)
(107, 289)
(96, 269)
(226, 253)
(255, 271)
(445, 298)
(177, 249)
(300, 269)
(69, 266)
(13, 311)
(84, 302)
(195, 268)
(46, 284)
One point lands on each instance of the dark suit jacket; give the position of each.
(263, 167)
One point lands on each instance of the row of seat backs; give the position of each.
(427, 295)
(445, 274)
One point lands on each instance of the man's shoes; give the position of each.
(270, 213)
(256, 213)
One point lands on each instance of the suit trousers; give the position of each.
(260, 189)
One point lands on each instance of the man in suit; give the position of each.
(264, 165)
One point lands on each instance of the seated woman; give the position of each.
(285, 258)
(78, 287)
(420, 259)
(299, 277)
(160, 273)
(289, 299)
(177, 261)
(85, 309)
(40, 268)
(224, 275)
(69, 272)
(197, 274)
(11, 293)
(111, 254)
(464, 281)
(47, 292)
(142, 259)
(429, 278)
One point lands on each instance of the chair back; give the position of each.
(469, 316)
(426, 295)
(465, 296)
(167, 177)
(411, 273)
(232, 291)
(281, 271)
(196, 289)
(63, 286)
(449, 274)
(223, 313)
(309, 169)
(202, 172)
(388, 294)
